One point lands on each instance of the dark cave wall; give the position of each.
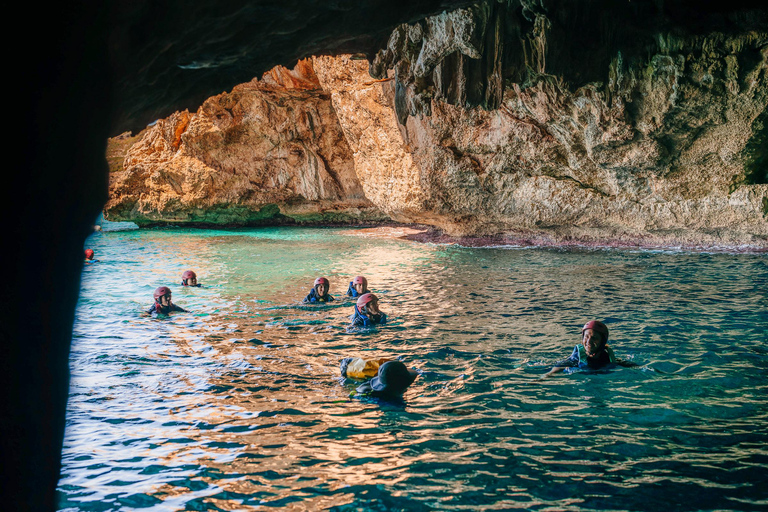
(574, 41)
(90, 71)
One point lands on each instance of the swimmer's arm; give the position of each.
(553, 371)
(626, 364)
(570, 362)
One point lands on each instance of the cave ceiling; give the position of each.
(168, 56)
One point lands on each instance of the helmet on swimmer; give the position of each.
(163, 290)
(596, 326)
(188, 274)
(89, 253)
(365, 298)
(322, 280)
(360, 280)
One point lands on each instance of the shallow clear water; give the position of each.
(239, 405)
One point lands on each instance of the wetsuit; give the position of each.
(579, 359)
(314, 298)
(353, 293)
(360, 320)
(154, 310)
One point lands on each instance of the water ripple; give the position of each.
(240, 405)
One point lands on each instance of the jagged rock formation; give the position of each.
(509, 136)
(499, 118)
(269, 151)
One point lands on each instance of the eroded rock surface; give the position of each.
(270, 151)
(496, 119)
(663, 150)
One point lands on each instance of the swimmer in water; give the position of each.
(357, 287)
(319, 293)
(391, 381)
(163, 303)
(89, 256)
(189, 278)
(367, 312)
(593, 353)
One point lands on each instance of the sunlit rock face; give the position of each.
(549, 119)
(382, 158)
(510, 137)
(270, 151)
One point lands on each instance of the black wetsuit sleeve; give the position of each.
(365, 388)
(151, 310)
(571, 362)
(177, 308)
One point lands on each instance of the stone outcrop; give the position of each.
(495, 119)
(270, 151)
(668, 148)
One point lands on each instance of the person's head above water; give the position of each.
(393, 379)
(163, 296)
(594, 337)
(368, 304)
(89, 254)
(188, 278)
(360, 284)
(322, 285)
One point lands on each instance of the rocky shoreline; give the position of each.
(427, 234)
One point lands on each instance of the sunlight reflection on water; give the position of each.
(239, 404)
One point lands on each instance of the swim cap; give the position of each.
(322, 280)
(189, 275)
(597, 327)
(359, 280)
(163, 290)
(365, 299)
(89, 253)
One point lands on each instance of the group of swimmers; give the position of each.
(366, 312)
(390, 378)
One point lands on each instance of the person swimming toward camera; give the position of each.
(163, 303)
(593, 353)
(189, 278)
(391, 378)
(367, 313)
(319, 293)
(357, 287)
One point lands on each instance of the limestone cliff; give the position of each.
(271, 151)
(668, 147)
(553, 119)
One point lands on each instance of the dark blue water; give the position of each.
(239, 405)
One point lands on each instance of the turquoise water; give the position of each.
(239, 405)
